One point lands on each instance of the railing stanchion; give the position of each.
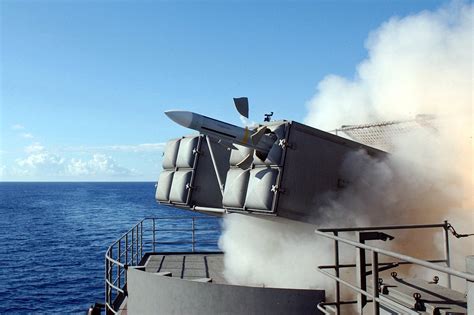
(447, 251)
(338, 286)
(136, 247)
(154, 235)
(141, 239)
(126, 255)
(375, 282)
(133, 244)
(106, 284)
(109, 277)
(118, 266)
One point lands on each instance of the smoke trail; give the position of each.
(419, 64)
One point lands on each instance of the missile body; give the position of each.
(258, 139)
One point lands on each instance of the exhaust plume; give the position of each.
(419, 64)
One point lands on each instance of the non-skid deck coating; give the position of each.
(188, 266)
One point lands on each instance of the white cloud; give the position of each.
(35, 147)
(41, 160)
(100, 164)
(17, 127)
(27, 135)
(43, 164)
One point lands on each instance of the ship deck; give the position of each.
(203, 267)
(188, 266)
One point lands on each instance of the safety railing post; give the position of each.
(126, 254)
(361, 275)
(137, 250)
(336, 264)
(109, 277)
(132, 245)
(106, 271)
(375, 282)
(447, 253)
(154, 235)
(118, 266)
(141, 239)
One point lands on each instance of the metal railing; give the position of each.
(372, 233)
(154, 235)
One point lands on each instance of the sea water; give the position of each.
(53, 238)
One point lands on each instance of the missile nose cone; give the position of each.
(183, 118)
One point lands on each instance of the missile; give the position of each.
(260, 139)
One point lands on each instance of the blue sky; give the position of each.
(84, 84)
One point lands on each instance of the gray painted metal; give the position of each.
(134, 247)
(152, 294)
(311, 169)
(433, 298)
(470, 284)
(380, 290)
(416, 261)
(188, 178)
(302, 166)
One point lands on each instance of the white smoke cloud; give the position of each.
(419, 64)
(262, 252)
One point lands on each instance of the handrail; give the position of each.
(410, 259)
(371, 233)
(141, 239)
(385, 227)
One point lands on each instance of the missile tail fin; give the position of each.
(246, 162)
(257, 135)
(242, 106)
(261, 155)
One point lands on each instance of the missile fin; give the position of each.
(261, 155)
(257, 135)
(246, 162)
(242, 106)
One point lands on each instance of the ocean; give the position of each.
(54, 236)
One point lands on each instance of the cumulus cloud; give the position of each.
(41, 163)
(100, 164)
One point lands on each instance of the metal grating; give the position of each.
(381, 135)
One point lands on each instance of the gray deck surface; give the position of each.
(185, 266)
(189, 266)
